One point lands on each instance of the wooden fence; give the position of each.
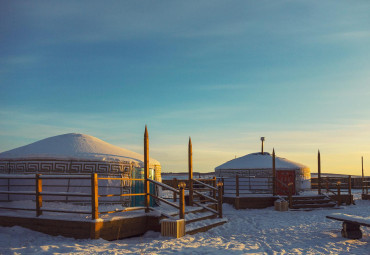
(93, 196)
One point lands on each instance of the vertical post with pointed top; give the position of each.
(273, 174)
(190, 162)
(362, 179)
(146, 169)
(319, 172)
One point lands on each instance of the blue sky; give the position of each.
(223, 72)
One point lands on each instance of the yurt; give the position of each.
(75, 154)
(256, 169)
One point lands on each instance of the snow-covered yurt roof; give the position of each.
(260, 161)
(74, 146)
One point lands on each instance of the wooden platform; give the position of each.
(113, 229)
(365, 196)
(250, 202)
(260, 202)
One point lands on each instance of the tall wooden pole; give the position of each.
(146, 169)
(319, 172)
(273, 173)
(190, 163)
(362, 179)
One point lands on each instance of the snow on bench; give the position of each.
(364, 221)
(351, 224)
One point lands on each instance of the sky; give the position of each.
(224, 73)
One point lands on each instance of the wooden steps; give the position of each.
(312, 202)
(195, 217)
(204, 225)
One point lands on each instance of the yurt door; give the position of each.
(286, 177)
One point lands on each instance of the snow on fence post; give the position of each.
(38, 195)
(94, 197)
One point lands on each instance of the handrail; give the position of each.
(208, 197)
(165, 201)
(204, 184)
(205, 207)
(164, 185)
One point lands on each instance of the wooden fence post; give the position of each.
(190, 164)
(338, 192)
(223, 186)
(174, 185)
(214, 192)
(237, 185)
(220, 185)
(290, 186)
(182, 186)
(327, 184)
(94, 197)
(362, 179)
(273, 174)
(350, 189)
(38, 195)
(146, 170)
(319, 172)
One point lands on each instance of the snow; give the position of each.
(253, 231)
(74, 146)
(349, 217)
(259, 161)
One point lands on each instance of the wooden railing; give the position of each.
(247, 185)
(180, 192)
(94, 195)
(334, 184)
(199, 187)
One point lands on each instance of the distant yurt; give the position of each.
(76, 154)
(256, 168)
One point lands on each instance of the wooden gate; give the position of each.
(286, 177)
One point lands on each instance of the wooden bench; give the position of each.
(351, 224)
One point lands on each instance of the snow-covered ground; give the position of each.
(254, 231)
